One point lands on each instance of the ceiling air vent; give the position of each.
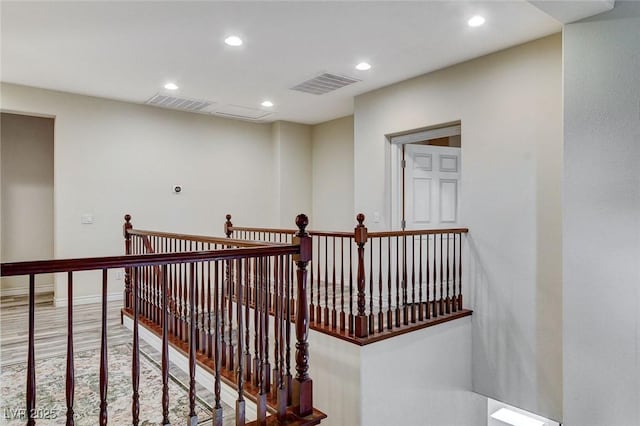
(324, 83)
(173, 102)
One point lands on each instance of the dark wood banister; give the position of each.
(347, 234)
(131, 261)
(361, 329)
(204, 239)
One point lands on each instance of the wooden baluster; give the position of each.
(276, 325)
(104, 369)
(281, 391)
(165, 348)
(70, 383)
(256, 324)
(397, 322)
(460, 273)
(247, 315)
(342, 314)
(208, 333)
(230, 291)
(428, 281)
(223, 343)
(413, 278)
(454, 301)
(197, 317)
(435, 283)
(441, 298)
(303, 385)
(380, 312)
(287, 329)
(31, 364)
(240, 403)
(312, 313)
(405, 307)
(318, 278)
(267, 364)
(351, 317)
(326, 281)
(420, 303)
(360, 237)
(371, 314)
(127, 250)
(218, 303)
(135, 364)
(193, 418)
(389, 279)
(448, 301)
(334, 313)
(182, 297)
(176, 297)
(261, 308)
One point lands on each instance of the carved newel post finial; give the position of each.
(228, 226)
(302, 221)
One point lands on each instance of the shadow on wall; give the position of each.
(498, 361)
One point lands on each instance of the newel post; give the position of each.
(228, 227)
(360, 236)
(302, 384)
(126, 227)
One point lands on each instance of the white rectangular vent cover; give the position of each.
(184, 104)
(324, 83)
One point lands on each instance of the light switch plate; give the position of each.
(87, 218)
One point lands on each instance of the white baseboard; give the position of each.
(85, 300)
(228, 394)
(24, 291)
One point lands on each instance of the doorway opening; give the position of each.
(26, 157)
(426, 171)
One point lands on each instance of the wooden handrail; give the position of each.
(346, 234)
(417, 232)
(274, 230)
(131, 261)
(202, 238)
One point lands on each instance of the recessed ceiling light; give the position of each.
(267, 104)
(171, 86)
(476, 21)
(233, 41)
(363, 66)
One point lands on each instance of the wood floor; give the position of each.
(51, 337)
(51, 328)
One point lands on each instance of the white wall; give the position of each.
(27, 195)
(421, 378)
(335, 368)
(510, 107)
(601, 214)
(333, 175)
(292, 166)
(113, 158)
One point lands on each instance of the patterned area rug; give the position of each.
(50, 391)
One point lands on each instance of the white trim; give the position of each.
(424, 135)
(228, 394)
(24, 291)
(85, 300)
(396, 179)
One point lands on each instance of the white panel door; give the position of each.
(431, 186)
